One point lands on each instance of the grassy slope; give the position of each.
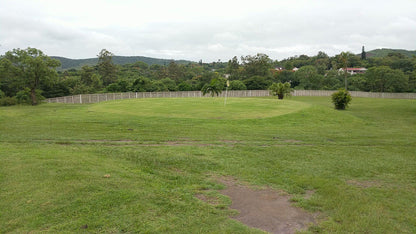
(161, 152)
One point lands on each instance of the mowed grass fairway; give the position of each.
(360, 164)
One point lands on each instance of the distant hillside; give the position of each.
(67, 63)
(384, 52)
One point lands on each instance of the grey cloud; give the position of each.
(278, 29)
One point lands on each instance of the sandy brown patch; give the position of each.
(266, 209)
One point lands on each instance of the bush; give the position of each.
(280, 90)
(256, 83)
(237, 85)
(8, 101)
(113, 88)
(341, 99)
(215, 87)
(184, 86)
(24, 97)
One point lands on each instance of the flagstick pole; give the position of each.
(225, 101)
(226, 93)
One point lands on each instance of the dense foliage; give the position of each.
(213, 88)
(280, 89)
(394, 72)
(25, 71)
(341, 99)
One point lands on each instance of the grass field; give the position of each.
(159, 153)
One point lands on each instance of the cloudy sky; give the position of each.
(207, 30)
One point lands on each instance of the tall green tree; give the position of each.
(258, 65)
(257, 83)
(332, 80)
(412, 82)
(30, 68)
(288, 76)
(343, 62)
(233, 66)
(106, 68)
(142, 84)
(169, 84)
(90, 79)
(321, 62)
(309, 78)
(86, 74)
(385, 79)
(363, 54)
(175, 71)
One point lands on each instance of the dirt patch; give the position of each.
(266, 209)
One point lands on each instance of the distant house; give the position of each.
(354, 70)
(279, 69)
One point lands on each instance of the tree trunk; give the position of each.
(280, 96)
(33, 97)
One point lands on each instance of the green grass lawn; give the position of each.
(360, 163)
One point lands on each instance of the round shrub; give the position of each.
(341, 99)
(237, 85)
(280, 89)
(8, 101)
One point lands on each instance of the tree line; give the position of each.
(28, 75)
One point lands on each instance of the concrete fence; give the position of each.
(102, 97)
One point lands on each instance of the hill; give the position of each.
(384, 52)
(67, 63)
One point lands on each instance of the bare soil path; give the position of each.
(266, 209)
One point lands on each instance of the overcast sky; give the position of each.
(207, 30)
